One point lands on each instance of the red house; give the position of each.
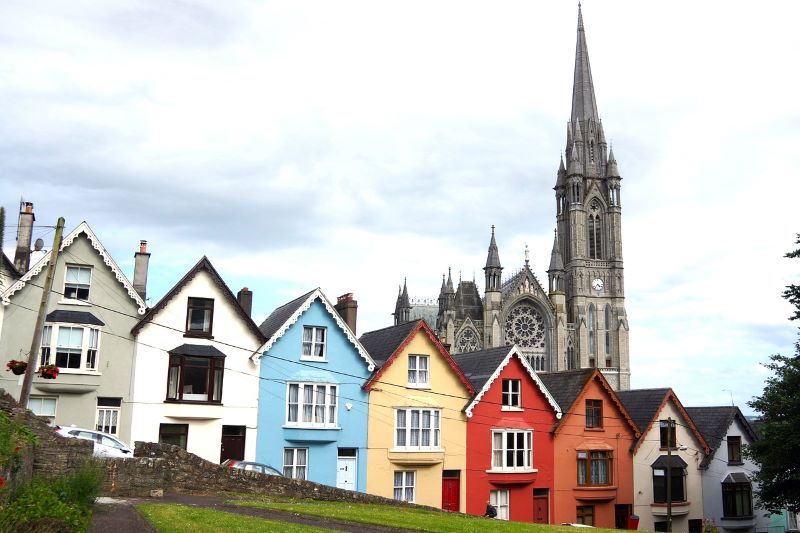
(509, 443)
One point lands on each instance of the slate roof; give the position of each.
(203, 264)
(281, 314)
(643, 404)
(9, 266)
(664, 460)
(479, 366)
(713, 423)
(566, 386)
(197, 350)
(74, 317)
(382, 343)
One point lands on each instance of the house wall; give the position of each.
(572, 435)
(718, 469)
(77, 390)
(389, 392)
(344, 367)
(487, 414)
(649, 450)
(240, 378)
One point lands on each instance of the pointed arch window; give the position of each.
(572, 362)
(592, 326)
(594, 230)
(607, 331)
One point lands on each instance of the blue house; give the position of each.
(312, 411)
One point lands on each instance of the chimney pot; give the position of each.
(143, 247)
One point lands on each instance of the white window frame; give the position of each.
(514, 398)
(428, 427)
(291, 469)
(501, 500)
(77, 285)
(36, 404)
(405, 481)
(419, 377)
(324, 401)
(313, 343)
(501, 450)
(106, 417)
(90, 347)
(792, 521)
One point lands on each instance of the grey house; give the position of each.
(92, 309)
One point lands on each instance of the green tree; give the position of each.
(777, 452)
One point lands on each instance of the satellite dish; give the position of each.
(38, 245)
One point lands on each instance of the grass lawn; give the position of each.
(173, 518)
(400, 517)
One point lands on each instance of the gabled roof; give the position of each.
(713, 423)
(203, 264)
(566, 386)
(483, 367)
(282, 318)
(394, 339)
(645, 406)
(83, 228)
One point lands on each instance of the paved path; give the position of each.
(119, 515)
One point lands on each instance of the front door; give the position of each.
(540, 515)
(451, 490)
(232, 445)
(346, 465)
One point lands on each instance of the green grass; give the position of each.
(174, 518)
(400, 517)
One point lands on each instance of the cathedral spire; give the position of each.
(450, 288)
(556, 262)
(584, 105)
(493, 269)
(493, 257)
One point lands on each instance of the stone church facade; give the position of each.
(579, 320)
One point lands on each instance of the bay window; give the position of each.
(417, 429)
(594, 468)
(195, 374)
(76, 346)
(311, 404)
(512, 450)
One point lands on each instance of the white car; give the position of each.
(104, 444)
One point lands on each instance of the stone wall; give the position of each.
(55, 455)
(167, 468)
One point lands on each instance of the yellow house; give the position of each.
(417, 428)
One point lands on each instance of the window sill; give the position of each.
(512, 408)
(78, 372)
(513, 471)
(309, 426)
(70, 301)
(192, 402)
(735, 463)
(594, 429)
(198, 335)
(416, 450)
(425, 386)
(313, 359)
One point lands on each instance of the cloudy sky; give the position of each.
(348, 145)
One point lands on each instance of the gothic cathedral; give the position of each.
(580, 321)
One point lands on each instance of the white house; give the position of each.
(194, 383)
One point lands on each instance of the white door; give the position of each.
(346, 473)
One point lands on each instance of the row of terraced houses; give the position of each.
(391, 412)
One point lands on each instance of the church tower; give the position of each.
(586, 264)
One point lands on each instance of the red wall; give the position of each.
(537, 414)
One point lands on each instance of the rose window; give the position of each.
(525, 327)
(467, 341)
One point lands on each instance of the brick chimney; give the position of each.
(245, 297)
(141, 263)
(22, 257)
(347, 308)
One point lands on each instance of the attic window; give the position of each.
(199, 317)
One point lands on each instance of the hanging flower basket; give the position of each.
(17, 367)
(48, 371)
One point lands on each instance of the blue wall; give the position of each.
(343, 367)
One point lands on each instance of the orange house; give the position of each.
(592, 445)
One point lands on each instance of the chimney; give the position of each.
(347, 308)
(141, 261)
(245, 297)
(22, 257)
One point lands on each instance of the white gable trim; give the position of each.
(332, 311)
(513, 351)
(84, 228)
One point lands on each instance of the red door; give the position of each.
(451, 482)
(540, 509)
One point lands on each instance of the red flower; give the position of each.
(2, 482)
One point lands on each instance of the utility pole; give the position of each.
(670, 443)
(37, 330)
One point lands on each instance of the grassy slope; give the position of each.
(174, 518)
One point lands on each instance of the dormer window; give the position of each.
(199, 317)
(77, 281)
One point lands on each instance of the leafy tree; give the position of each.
(776, 452)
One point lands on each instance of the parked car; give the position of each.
(105, 445)
(261, 468)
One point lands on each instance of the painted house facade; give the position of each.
(509, 443)
(727, 489)
(417, 426)
(592, 449)
(670, 446)
(312, 416)
(194, 382)
(86, 333)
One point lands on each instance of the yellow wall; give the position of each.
(385, 396)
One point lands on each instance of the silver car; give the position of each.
(105, 445)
